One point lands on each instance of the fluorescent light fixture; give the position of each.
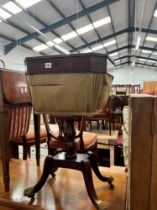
(113, 54)
(138, 42)
(155, 13)
(40, 47)
(153, 39)
(49, 43)
(102, 22)
(4, 14)
(69, 36)
(86, 51)
(109, 43)
(97, 47)
(62, 49)
(133, 63)
(28, 3)
(146, 51)
(57, 40)
(11, 7)
(85, 29)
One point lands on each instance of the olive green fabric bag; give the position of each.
(69, 94)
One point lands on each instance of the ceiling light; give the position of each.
(109, 43)
(153, 39)
(85, 29)
(146, 51)
(57, 40)
(40, 47)
(11, 7)
(4, 14)
(86, 51)
(155, 13)
(133, 63)
(102, 22)
(28, 3)
(97, 47)
(138, 42)
(69, 35)
(62, 49)
(113, 54)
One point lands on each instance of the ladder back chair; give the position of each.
(15, 113)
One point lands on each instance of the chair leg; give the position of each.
(26, 151)
(14, 150)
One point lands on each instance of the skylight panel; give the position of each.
(49, 43)
(4, 14)
(40, 47)
(102, 22)
(97, 47)
(114, 54)
(155, 13)
(141, 59)
(109, 43)
(62, 49)
(57, 40)
(69, 36)
(28, 3)
(85, 29)
(152, 39)
(146, 51)
(11, 7)
(86, 51)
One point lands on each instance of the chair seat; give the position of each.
(89, 139)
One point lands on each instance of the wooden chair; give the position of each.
(15, 113)
(67, 147)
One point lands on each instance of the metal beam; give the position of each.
(58, 24)
(131, 56)
(149, 65)
(102, 39)
(23, 45)
(126, 30)
(131, 17)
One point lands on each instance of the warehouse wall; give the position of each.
(133, 75)
(15, 59)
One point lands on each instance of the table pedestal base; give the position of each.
(83, 162)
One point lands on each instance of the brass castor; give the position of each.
(29, 192)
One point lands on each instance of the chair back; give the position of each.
(15, 99)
